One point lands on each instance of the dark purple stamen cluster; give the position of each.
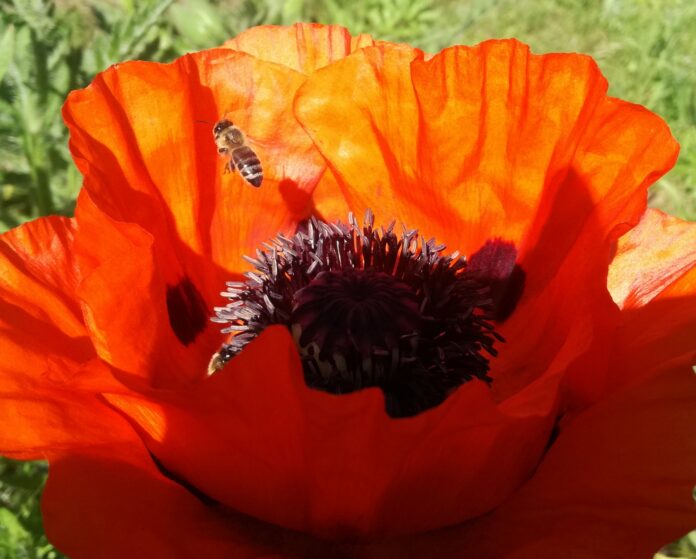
(367, 307)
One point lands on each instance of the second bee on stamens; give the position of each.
(230, 142)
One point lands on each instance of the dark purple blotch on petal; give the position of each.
(188, 313)
(494, 264)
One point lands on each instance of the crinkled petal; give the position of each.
(651, 259)
(304, 47)
(256, 438)
(491, 142)
(153, 329)
(503, 137)
(141, 134)
(39, 423)
(653, 279)
(38, 275)
(49, 369)
(616, 483)
(113, 502)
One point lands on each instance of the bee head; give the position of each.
(222, 125)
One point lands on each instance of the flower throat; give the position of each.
(367, 308)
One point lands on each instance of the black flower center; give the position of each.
(351, 312)
(367, 307)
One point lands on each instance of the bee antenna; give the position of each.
(204, 122)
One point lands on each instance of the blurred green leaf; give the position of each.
(13, 536)
(292, 10)
(6, 50)
(21, 531)
(685, 548)
(199, 23)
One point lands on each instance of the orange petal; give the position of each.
(36, 424)
(113, 503)
(145, 319)
(505, 138)
(304, 47)
(512, 146)
(38, 274)
(136, 136)
(617, 483)
(653, 279)
(257, 439)
(49, 369)
(362, 114)
(652, 258)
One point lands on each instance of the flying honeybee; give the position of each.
(230, 141)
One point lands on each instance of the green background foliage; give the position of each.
(646, 48)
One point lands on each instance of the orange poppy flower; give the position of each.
(412, 439)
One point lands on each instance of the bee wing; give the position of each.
(259, 146)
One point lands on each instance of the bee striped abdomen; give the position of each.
(248, 164)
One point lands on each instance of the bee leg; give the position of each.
(229, 168)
